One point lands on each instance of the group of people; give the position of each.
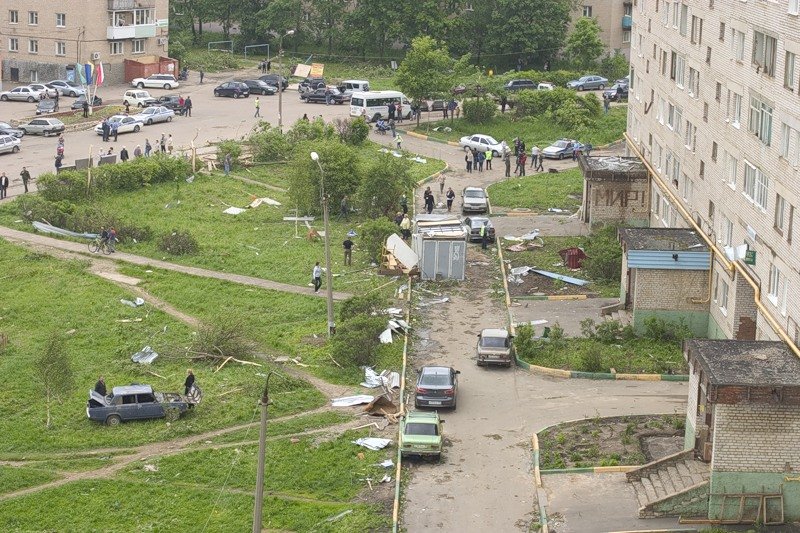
(265, 66)
(476, 159)
(108, 237)
(101, 389)
(59, 155)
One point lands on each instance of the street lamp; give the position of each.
(262, 449)
(280, 80)
(328, 274)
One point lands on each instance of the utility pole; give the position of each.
(280, 80)
(262, 448)
(328, 273)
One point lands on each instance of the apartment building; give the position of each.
(715, 112)
(42, 40)
(615, 19)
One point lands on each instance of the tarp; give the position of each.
(47, 228)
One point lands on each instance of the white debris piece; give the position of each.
(373, 443)
(234, 211)
(138, 302)
(150, 468)
(349, 401)
(371, 379)
(521, 271)
(145, 356)
(394, 311)
(386, 464)
(434, 302)
(530, 236)
(386, 336)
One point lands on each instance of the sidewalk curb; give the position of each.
(576, 374)
(591, 470)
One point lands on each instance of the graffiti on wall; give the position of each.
(621, 198)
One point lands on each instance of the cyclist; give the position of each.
(103, 236)
(112, 239)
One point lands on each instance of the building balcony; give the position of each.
(139, 31)
(130, 5)
(627, 22)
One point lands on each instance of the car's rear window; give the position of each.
(435, 380)
(415, 428)
(494, 342)
(474, 194)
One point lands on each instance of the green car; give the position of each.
(421, 434)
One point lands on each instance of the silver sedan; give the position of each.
(151, 115)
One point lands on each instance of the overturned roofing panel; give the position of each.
(666, 239)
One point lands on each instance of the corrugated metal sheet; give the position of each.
(663, 259)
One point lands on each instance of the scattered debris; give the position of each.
(434, 302)
(338, 516)
(349, 401)
(517, 248)
(418, 159)
(49, 228)
(387, 378)
(129, 320)
(561, 277)
(138, 302)
(557, 210)
(531, 323)
(234, 211)
(150, 468)
(145, 356)
(373, 443)
(382, 406)
(388, 463)
(386, 478)
(269, 201)
(190, 179)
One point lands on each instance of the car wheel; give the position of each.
(140, 104)
(125, 102)
(113, 420)
(580, 87)
(167, 86)
(416, 405)
(140, 85)
(149, 122)
(15, 149)
(216, 93)
(495, 153)
(4, 98)
(169, 119)
(73, 94)
(136, 129)
(263, 92)
(560, 157)
(601, 87)
(31, 99)
(236, 95)
(437, 457)
(24, 132)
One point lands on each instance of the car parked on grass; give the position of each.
(21, 94)
(520, 85)
(154, 114)
(43, 89)
(67, 88)
(138, 98)
(42, 126)
(586, 83)
(482, 143)
(235, 89)
(474, 224)
(421, 434)
(78, 103)
(474, 200)
(135, 402)
(260, 87)
(156, 81)
(437, 386)
(125, 124)
(495, 347)
(276, 80)
(9, 144)
(8, 129)
(561, 148)
(436, 105)
(318, 96)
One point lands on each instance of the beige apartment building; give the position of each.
(715, 113)
(615, 19)
(42, 40)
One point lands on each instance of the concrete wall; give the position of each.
(651, 299)
(714, 330)
(619, 202)
(754, 482)
(696, 321)
(690, 502)
(691, 410)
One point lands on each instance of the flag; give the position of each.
(80, 73)
(89, 69)
(99, 74)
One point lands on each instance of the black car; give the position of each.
(519, 85)
(77, 105)
(260, 87)
(232, 88)
(617, 92)
(318, 95)
(474, 224)
(170, 101)
(437, 386)
(276, 80)
(45, 107)
(311, 84)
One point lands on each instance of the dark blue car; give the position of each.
(134, 402)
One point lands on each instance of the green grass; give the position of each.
(285, 427)
(540, 192)
(540, 131)
(17, 478)
(97, 115)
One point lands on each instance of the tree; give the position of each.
(386, 178)
(584, 45)
(54, 371)
(342, 174)
(329, 15)
(356, 342)
(368, 29)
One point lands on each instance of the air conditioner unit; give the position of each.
(95, 56)
(163, 40)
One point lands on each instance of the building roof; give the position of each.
(665, 239)
(746, 363)
(613, 168)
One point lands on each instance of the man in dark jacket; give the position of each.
(100, 386)
(123, 154)
(189, 383)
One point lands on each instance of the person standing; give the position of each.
(123, 154)
(258, 108)
(85, 108)
(489, 156)
(163, 143)
(429, 202)
(468, 161)
(189, 383)
(391, 111)
(450, 197)
(4, 183)
(481, 159)
(137, 152)
(59, 163)
(115, 130)
(181, 105)
(169, 144)
(539, 161)
(26, 177)
(392, 127)
(485, 235)
(507, 161)
(269, 66)
(399, 141)
(405, 227)
(328, 95)
(105, 128)
(523, 158)
(441, 183)
(202, 75)
(112, 239)
(348, 251)
(188, 106)
(226, 163)
(316, 276)
(503, 103)
(344, 208)
(404, 203)
(535, 152)
(606, 103)
(147, 148)
(399, 112)
(100, 386)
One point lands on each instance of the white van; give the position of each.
(354, 86)
(375, 104)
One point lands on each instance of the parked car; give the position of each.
(436, 105)
(475, 200)
(9, 144)
(125, 124)
(42, 126)
(67, 88)
(459, 89)
(138, 98)
(170, 101)
(7, 129)
(318, 96)
(45, 107)
(311, 84)
(156, 81)
(495, 347)
(616, 92)
(519, 85)
(43, 89)
(482, 142)
(421, 434)
(349, 87)
(437, 386)
(276, 80)
(21, 94)
(586, 83)
(135, 402)
(232, 88)
(475, 224)
(78, 103)
(545, 86)
(561, 148)
(153, 114)
(260, 87)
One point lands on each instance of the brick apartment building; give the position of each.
(714, 113)
(41, 41)
(615, 19)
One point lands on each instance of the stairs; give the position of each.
(673, 486)
(622, 316)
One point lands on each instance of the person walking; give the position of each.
(405, 227)
(26, 177)
(392, 127)
(181, 105)
(399, 141)
(316, 276)
(4, 183)
(328, 95)
(534, 156)
(503, 103)
(344, 208)
(539, 161)
(429, 201)
(123, 154)
(441, 183)
(485, 235)
(163, 143)
(451, 195)
(169, 144)
(100, 386)
(147, 148)
(137, 152)
(468, 160)
(258, 108)
(226, 163)
(489, 156)
(507, 161)
(112, 239)
(189, 383)
(202, 75)
(106, 129)
(59, 162)
(269, 66)
(347, 245)
(187, 105)
(606, 103)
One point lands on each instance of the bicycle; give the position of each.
(99, 244)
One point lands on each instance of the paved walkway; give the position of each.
(16, 236)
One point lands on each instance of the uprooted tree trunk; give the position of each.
(224, 339)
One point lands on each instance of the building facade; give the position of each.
(715, 88)
(615, 19)
(41, 41)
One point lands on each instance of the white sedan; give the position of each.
(124, 124)
(482, 143)
(51, 92)
(156, 81)
(151, 115)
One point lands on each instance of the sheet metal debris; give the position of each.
(561, 277)
(269, 201)
(349, 401)
(387, 378)
(145, 356)
(388, 463)
(386, 336)
(138, 302)
(373, 443)
(437, 301)
(234, 211)
(49, 228)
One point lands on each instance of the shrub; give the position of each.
(373, 236)
(608, 331)
(604, 255)
(588, 328)
(66, 185)
(363, 305)
(224, 336)
(269, 144)
(356, 341)
(479, 110)
(557, 335)
(352, 131)
(229, 147)
(534, 103)
(591, 360)
(658, 329)
(524, 343)
(311, 130)
(178, 243)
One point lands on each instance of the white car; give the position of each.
(482, 143)
(138, 98)
(124, 124)
(9, 143)
(151, 115)
(51, 92)
(67, 88)
(159, 81)
(21, 94)
(474, 200)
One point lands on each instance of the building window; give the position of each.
(711, 211)
(687, 188)
(33, 46)
(684, 19)
(116, 48)
(664, 62)
(61, 20)
(657, 154)
(694, 83)
(718, 92)
(794, 7)
(13, 16)
(33, 18)
(788, 71)
(786, 140)
(34, 76)
(13, 44)
(731, 170)
(780, 213)
(138, 46)
(689, 136)
(760, 123)
(665, 14)
(708, 55)
(675, 14)
(587, 11)
(61, 48)
(722, 31)
(697, 30)
(674, 116)
(679, 67)
(723, 295)
(756, 185)
(626, 36)
(737, 45)
(734, 108)
(726, 230)
(142, 16)
(764, 47)
(714, 151)
(777, 288)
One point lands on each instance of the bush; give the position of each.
(659, 329)
(479, 110)
(352, 131)
(269, 144)
(608, 331)
(66, 185)
(224, 336)
(311, 130)
(178, 243)
(210, 60)
(604, 255)
(524, 344)
(356, 341)
(363, 305)
(591, 360)
(229, 147)
(373, 236)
